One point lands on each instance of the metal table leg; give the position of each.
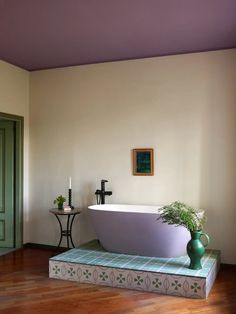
(61, 230)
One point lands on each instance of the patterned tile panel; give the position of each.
(130, 279)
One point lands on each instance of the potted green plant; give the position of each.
(181, 214)
(59, 201)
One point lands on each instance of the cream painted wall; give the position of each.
(85, 120)
(14, 99)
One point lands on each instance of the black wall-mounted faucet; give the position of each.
(102, 193)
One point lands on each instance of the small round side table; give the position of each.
(70, 219)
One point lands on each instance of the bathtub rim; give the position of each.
(127, 208)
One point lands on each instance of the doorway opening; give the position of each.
(11, 182)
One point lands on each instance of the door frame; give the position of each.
(18, 181)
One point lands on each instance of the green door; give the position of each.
(7, 184)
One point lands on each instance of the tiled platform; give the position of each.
(90, 263)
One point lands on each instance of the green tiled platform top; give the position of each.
(92, 253)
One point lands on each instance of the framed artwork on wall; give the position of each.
(143, 162)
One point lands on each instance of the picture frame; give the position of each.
(143, 164)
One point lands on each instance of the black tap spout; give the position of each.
(103, 184)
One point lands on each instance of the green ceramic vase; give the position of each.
(196, 249)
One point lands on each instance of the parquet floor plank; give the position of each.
(26, 288)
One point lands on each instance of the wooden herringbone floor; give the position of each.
(26, 288)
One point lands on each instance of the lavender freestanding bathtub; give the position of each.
(136, 230)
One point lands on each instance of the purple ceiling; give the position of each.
(39, 34)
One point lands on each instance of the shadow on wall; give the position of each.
(85, 232)
(218, 172)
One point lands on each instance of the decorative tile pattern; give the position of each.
(91, 264)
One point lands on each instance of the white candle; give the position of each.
(70, 183)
